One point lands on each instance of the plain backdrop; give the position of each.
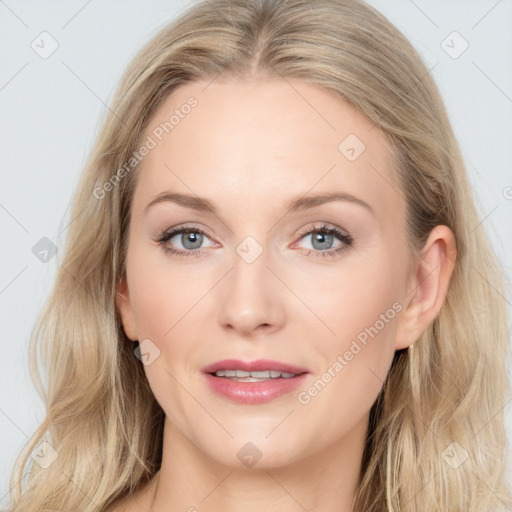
(51, 105)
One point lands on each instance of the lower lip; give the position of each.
(254, 392)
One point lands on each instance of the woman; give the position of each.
(274, 290)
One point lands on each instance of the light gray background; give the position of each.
(50, 111)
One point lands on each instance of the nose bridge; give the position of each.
(250, 274)
(251, 298)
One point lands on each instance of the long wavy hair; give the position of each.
(436, 438)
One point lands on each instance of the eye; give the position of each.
(192, 238)
(322, 240)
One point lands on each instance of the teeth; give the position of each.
(241, 374)
(257, 375)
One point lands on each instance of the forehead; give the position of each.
(244, 142)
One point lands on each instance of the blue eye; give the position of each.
(192, 239)
(323, 236)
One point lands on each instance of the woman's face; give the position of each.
(320, 287)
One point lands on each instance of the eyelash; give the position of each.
(344, 237)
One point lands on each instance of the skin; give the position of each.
(249, 147)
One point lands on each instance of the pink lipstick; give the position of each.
(253, 382)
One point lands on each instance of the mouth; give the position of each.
(243, 376)
(253, 382)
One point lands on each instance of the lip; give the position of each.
(253, 392)
(257, 365)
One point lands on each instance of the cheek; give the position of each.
(163, 298)
(360, 298)
(356, 359)
(162, 294)
(361, 306)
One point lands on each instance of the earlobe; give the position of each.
(429, 285)
(124, 307)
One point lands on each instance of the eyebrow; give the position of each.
(302, 203)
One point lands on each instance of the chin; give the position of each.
(256, 452)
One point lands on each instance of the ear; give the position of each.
(427, 286)
(124, 307)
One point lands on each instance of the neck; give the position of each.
(192, 481)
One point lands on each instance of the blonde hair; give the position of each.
(436, 439)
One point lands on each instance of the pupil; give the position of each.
(321, 237)
(193, 237)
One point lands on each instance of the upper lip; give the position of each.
(257, 365)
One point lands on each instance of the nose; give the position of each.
(252, 298)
